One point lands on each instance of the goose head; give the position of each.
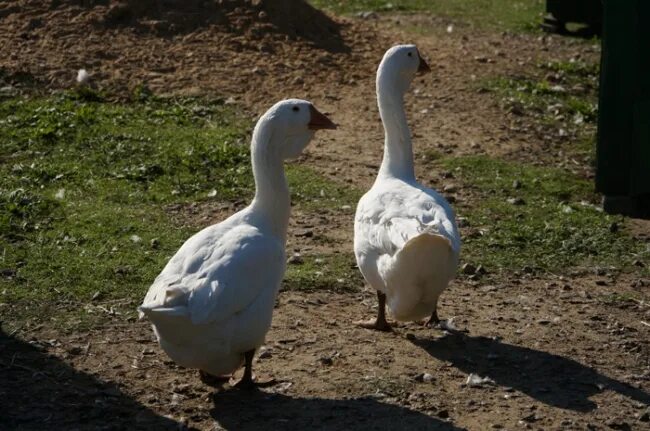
(293, 123)
(399, 66)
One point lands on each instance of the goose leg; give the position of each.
(433, 320)
(246, 381)
(380, 323)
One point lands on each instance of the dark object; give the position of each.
(623, 148)
(561, 12)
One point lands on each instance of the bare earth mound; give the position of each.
(226, 47)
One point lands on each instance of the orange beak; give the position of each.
(423, 67)
(319, 121)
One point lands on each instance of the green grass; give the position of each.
(554, 225)
(335, 272)
(496, 14)
(84, 185)
(561, 97)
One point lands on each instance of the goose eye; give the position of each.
(295, 109)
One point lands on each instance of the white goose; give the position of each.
(405, 237)
(212, 305)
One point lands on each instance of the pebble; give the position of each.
(468, 269)
(516, 201)
(424, 377)
(295, 259)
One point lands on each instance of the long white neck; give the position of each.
(272, 202)
(398, 149)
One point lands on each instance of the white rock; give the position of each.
(476, 381)
(82, 76)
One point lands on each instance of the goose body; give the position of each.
(405, 237)
(212, 304)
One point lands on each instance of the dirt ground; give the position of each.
(557, 352)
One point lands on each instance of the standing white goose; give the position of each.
(405, 237)
(212, 305)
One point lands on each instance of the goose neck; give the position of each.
(398, 149)
(272, 203)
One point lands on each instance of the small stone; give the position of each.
(424, 377)
(296, 259)
(367, 15)
(617, 424)
(154, 243)
(517, 109)
(516, 201)
(468, 269)
(326, 360)
(135, 238)
(449, 188)
(265, 354)
(645, 416)
(530, 418)
(76, 350)
(476, 381)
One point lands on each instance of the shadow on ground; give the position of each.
(241, 410)
(551, 379)
(41, 392)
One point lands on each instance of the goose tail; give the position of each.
(421, 270)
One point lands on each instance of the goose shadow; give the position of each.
(39, 392)
(256, 410)
(551, 379)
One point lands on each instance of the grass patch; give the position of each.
(540, 218)
(550, 101)
(564, 103)
(496, 14)
(84, 185)
(313, 191)
(334, 272)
